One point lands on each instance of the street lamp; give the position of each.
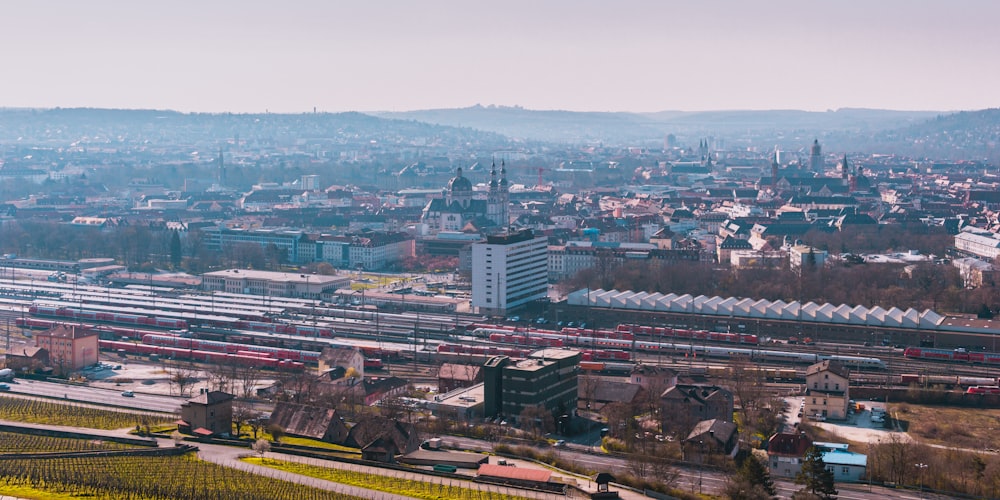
(920, 477)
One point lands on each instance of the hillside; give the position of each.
(121, 128)
(650, 128)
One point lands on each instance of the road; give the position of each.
(97, 396)
(690, 477)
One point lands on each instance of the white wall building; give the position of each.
(983, 244)
(509, 271)
(274, 284)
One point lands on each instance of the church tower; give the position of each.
(844, 170)
(493, 197)
(459, 190)
(222, 168)
(775, 164)
(504, 196)
(816, 157)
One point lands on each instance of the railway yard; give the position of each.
(286, 334)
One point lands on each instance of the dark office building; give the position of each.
(548, 378)
(492, 385)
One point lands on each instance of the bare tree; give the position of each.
(220, 377)
(257, 423)
(243, 413)
(247, 376)
(300, 387)
(536, 420)
(588, 387)
(748, 388)
(182, 376)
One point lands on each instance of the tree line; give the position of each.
(851, 281)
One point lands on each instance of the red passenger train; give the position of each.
(960, 355)
(204, 356)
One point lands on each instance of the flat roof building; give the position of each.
(509, 271)
(463, 405)
(274, 284)
(548, 378)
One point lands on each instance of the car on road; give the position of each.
(128, 394)
(559, 444)
(4, 387)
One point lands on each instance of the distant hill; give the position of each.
(158, 127)
(651, 128)
(966, 135)
(541, 125)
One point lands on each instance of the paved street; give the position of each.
(98, 396)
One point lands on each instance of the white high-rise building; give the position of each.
(508, 271)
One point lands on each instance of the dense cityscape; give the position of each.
(513, 250)
(660, 312)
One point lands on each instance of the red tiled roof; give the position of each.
(201, 431)
(788, 444)
(518, 473)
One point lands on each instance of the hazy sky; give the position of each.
(366, 55)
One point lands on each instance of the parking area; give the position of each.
(865, 426)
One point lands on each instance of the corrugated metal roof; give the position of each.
(840, 457)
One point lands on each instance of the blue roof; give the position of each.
(844, 457)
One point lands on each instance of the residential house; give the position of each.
(453, 376)
(342, 360)
(785, 453)
(827, 390)
(595, 393)
(324, 424)
(26, 360)
(208, 414)
(710, 437)
(379, 388)
(651, 377)
(685, 405)
(382, 449)
(403, 436)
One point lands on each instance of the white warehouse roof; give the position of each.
(756, 309)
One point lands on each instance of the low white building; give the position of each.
(847, 466)
(800, 255)
(274, 284)
(980, 243)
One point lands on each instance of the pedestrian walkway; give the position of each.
(229, 456)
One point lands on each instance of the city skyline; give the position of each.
(639, 56)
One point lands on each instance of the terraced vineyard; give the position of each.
(44, 412)
(13, 442)
(146, 478)
(439, 488)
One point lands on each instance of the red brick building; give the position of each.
(70, 347)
